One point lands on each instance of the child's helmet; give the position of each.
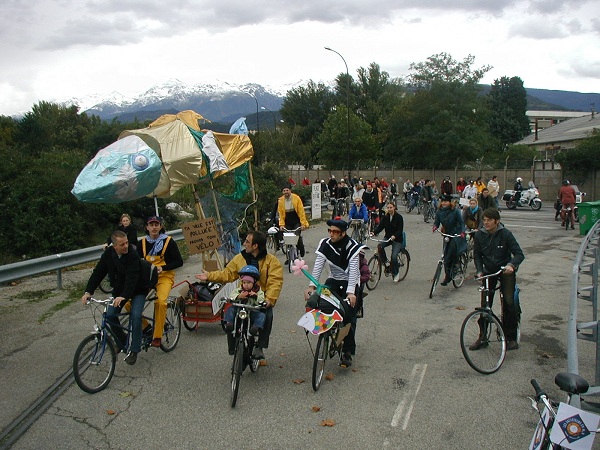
(251, 271)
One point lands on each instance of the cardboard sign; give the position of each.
(201, 236)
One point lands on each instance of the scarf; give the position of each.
(158, 244)
(252, 260)
(474, 210)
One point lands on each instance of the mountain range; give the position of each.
(223, 103)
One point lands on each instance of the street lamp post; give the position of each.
(347, 110)
(257, 120)
(273, 114)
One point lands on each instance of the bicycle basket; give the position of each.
(290, 238)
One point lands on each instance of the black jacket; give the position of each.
(492, 251)
(393, 226)
(123, 272)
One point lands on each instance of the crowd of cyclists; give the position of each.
(374, 202)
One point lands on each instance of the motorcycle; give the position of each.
(529, 197)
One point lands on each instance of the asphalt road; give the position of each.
(409, 387)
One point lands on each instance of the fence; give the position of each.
(23, 269)
(584, 286)
(546, 175)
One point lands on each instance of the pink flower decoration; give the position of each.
(298, 265)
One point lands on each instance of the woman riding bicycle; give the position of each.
(452, 222)
(393, 224)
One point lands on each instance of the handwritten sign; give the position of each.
(201, 236)
(316, 201)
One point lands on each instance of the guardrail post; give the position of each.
(59, 284)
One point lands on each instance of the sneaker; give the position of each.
(346, 360)
(446, 281)
(257, 353)
(478, 344)
(396, 278)
(156, 342)
(512, 345)
(131, 358)
(572, 227)
(253, 330)
(229, 327)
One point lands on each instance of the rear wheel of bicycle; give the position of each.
(236, 371)
(403, 263)
(291, 255)
(172, 329)
(436, 278)
(321, 353)
(459, 272)
(271, 247)
(483, 328)
(94, 363)
(105, 285)
(375, 269)
(567, 220)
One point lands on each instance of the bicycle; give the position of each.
(328, 326)
(290, 241)
(470, 244)
(566, 212)
(428, 211)
(95, 359)
(244, 345)
(358, 230)
(340, 208)
(577, 425)
(482, 339)
(105, 285)
(375, 264)
(458, 271)
(373, 220)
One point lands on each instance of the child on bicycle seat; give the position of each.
(249, 293)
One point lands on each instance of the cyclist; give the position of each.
(371, 200)
(359, 211)
(271, 279)
(496, 247)
(567, 198)
(406, 188)
(250, 293)
(121, 263)
(452, 222)
(291, 215)
(480, 185)
(446, 187)
(393, 225)
(341, 253)
(426, 195)
(470, 190)
(393, 189)
(160, 250)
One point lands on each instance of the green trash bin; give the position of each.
(589, 213)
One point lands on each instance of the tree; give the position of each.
(508, 122)
(584, 155)
(442, 67)
(332, 141)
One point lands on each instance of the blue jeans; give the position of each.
(257, 318)
(396, 247)
(135, 319)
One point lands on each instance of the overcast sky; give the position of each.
(57, 50)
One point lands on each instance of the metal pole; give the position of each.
(273, 114)
(347, 111)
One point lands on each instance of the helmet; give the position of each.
(519, 179)
(250, 270)
(566, 183)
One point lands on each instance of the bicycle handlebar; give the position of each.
(107, 301)
(380, 240)
(483, 277)
(247, 306)
(290, 231)
(449, 235)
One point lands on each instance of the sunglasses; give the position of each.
(331, 231)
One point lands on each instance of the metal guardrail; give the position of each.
(23, 269)
(584, 286)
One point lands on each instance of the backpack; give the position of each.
(149, 275)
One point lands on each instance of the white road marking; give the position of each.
(405, 407)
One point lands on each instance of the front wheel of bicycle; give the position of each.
(292, 254)
(94, 363)
(482, 342)
(236, 371)
(172, 328)
(375, 269)
(459, 272)
(403, 264)
(436, 278)
(321, 353)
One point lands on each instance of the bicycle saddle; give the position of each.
(571, 383)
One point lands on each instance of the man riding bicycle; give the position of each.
(359, 211)
(496, 247)
(452, 222)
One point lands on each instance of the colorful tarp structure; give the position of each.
(127, 169)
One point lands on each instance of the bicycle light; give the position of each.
(243, 314)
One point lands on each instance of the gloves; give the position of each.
(434, 229)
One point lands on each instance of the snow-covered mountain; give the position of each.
(220, 101)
